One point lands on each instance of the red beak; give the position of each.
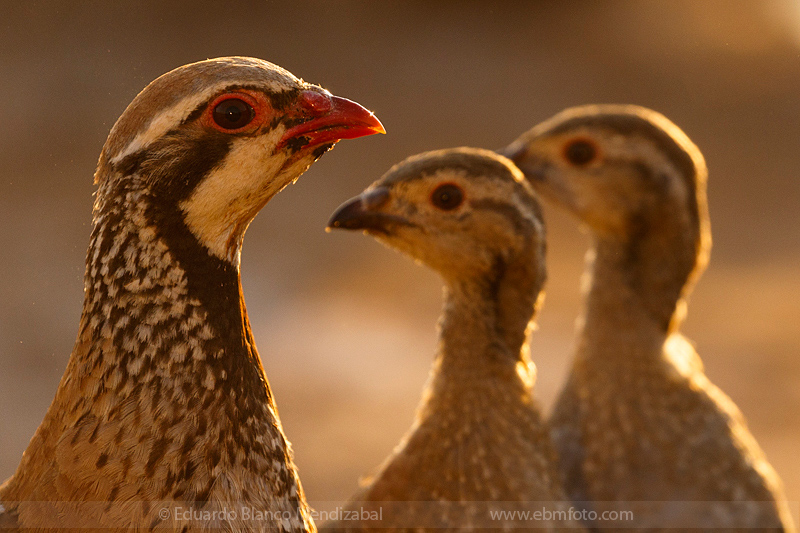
(332, 118)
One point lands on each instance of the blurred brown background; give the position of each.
(345, 327)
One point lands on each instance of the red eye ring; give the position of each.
(581, 151)
(245, 113)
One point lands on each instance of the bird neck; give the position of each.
(478, 402)
(159, 302)
(483, 332)
(638, 285)
(165, 378)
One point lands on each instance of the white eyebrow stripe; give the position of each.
(165, 121)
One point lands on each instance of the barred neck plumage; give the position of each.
(165, 368)
(158, 302)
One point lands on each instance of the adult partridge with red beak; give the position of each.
(639, 426)
(164, 416)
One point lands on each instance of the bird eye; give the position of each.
(233, 114)
(447, 196)
(580, 152)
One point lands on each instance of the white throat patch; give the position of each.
(226, 201)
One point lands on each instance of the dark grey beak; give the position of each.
(362, 212)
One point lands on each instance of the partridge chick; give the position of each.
(638, 420)
(478, 448)
(164, 417)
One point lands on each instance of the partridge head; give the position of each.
(462, 212)
(634, 179)
(213, 141)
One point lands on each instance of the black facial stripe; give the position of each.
(215, 283)
(204, 150)
(280, 101)
(211, 280)
(173, 177)
(295, 144)
(130, 164)
(321, 149)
